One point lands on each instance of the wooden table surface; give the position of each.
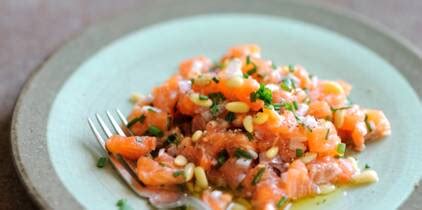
(30, 30)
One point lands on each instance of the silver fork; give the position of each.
(127, 170)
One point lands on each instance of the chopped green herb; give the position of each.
(252, 71)
(249, 135)
(215, 79)
(155, 131)
(123, 205)
(341, 108)
(286, 84)
(203, 98)
(245, 76)
(309, 128)
(311, 76)
(173, 139)
(262, 93)
(240, 153)
(277, 106)
(368, 125)
(289, 107)
(258, 176)
(230, 117)
(192, 81)
(326, 134)
(162, 164)
(299, 152)
(177, 173)
(281, 202)
(101, 162)
(217, 97)
(151, 109)
(222, 157)
(140, 119)
(214, 110)
(248, 59)
(273, 66)
(307, 100)
(367, 166)
(341, 148)
(295, 105)
(291, 68)
(216, 66)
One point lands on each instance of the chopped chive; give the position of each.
(173, 139)
(299, 152)
(151, 109)
(177, 173)
(293, 85)
(291, 68)
(281, 202)
(252, 71)
(230, 117)
(245, 76)
(155, 131)
(214, 110)
(277, 106)
(326, 134)
(341, 108)
(101, 162)
(258, 176)
(273, 66)
(240, 153)
(249, 135)
(341, 149)
(367, 166)
(216, 98)
(215, 79)
(295, 105)
(368, 126)
(162, 164)
(123, 205)
(140, 119)
(289, 107)
(286, 84)
(307, 100)
(248, 59)
(309, 128)
(203, 98)
(222, 157)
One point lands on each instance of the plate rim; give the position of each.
(45, 203)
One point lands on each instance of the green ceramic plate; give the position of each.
(56, 153)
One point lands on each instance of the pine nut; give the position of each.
(260, 118)
(194, 97)
(135, 97)
(201, 177)
(188, 172)
(236, 206)
(354, 163)
(197, 135)
(365, 177)
(235, 82)
(248, 123)
(272, 152)
(332, 87)
(180, 160)
(237, 107)
(308, 157)
(339, 118)
(326, 189)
